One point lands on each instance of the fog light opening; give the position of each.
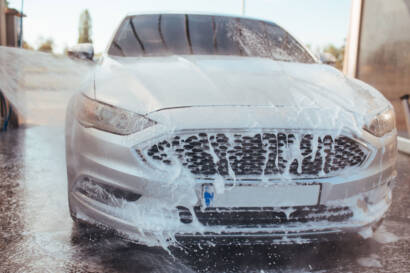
(103, 193)
(185, 215)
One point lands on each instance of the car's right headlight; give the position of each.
(94, 114)
(382, 124)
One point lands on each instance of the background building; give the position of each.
(10, 26)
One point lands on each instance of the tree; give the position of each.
(7, 4)
(84, 29)
(46, 46)
(27, 46)
(338, 53)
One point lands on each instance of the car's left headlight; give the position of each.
(382, 124)
(94, 114)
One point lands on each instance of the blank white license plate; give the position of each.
(261, 196)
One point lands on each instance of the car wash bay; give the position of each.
(38, 235)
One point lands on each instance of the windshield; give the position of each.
(183, 34)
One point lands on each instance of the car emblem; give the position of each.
(208, 195)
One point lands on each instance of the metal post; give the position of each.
(3, 36)
(405, 101)
(20, 39)
(353, 39)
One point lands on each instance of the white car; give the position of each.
(225, 129)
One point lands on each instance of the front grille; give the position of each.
(270, 153)
(259, 217)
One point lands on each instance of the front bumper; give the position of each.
(152, 217)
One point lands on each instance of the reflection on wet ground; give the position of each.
(37, 234)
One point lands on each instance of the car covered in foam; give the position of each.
(225, 129)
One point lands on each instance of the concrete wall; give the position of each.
(384, 52)
(378, 50)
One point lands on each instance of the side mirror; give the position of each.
(81, 51)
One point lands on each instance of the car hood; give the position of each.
(151, 84)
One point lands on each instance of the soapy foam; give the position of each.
(26, 74)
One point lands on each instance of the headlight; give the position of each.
(382, 124)
(94, 114)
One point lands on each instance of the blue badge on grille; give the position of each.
(208, 195)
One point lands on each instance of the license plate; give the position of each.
(261, 196)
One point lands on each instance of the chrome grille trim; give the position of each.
(251, 154)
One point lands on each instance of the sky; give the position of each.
(314, 22)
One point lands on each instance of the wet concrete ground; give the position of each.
(38, 235)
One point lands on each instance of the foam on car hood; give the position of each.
(151, 84)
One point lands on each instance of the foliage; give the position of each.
(46, 46)
(85, 27)
(27, 46)
(338, 53)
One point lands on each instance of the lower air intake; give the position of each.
(259, 217)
